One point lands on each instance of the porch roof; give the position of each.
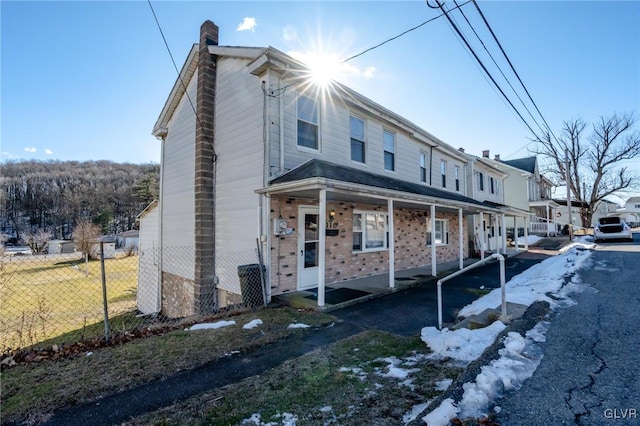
(512, 211)
(319, 173)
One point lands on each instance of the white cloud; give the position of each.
(247, 24)
(48, 151)
(31, 149)
(289, 33)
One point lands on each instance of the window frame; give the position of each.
(363, 142)
(443, 173)
(363, 231)
(456, 175)
(385, 151)
(300, 119)
(422, 166)
(480, 181)
(444, 231)
(492, 185)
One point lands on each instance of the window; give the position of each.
(441, 234)
(443, 172)
(307, 122)
(480, 181)
(357, 140)
(389, 150)
(370, 231)
(423, 167)
(456, 175)
(492, 185)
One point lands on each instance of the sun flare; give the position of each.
(323, 69)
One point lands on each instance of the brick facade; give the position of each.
(205, 295)
(342, 263)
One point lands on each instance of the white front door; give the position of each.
(308, 244)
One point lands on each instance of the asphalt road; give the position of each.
(589, 373)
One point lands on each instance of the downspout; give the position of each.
(281, 124)
(160, 225)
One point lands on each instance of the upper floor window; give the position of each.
(492, 185)
(443, 173)
(481, 181)
(456, 176)
(307, 122)
(389, 151)
(370, 231)
(423, 167)
(357, 140)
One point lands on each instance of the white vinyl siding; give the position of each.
(148, 263)
(178, 196)
(239, 145)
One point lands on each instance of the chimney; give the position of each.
(485, 153)
(496, 157)
(461, 149)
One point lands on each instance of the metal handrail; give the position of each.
(465, 269)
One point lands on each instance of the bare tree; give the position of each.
(37, 241)
(85, 235)
(596, 163)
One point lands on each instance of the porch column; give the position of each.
(460, 239)
(547, 205)
(433, 240)
(392, 255)
(482, 236)
(515, 232)
(322, 226)
(526, 232)
(504, 233)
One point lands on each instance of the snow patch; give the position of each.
(211, 325)
(443, 385)
(252, 324)
(442, 415)
(415, 411)
(298, 325)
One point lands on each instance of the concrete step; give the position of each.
(489, 316)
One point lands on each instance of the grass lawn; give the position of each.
(31, 391)
(45, 297)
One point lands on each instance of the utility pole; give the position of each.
(568, 175)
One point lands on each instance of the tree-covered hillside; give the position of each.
(52, 195)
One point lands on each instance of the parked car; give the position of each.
(610, 228)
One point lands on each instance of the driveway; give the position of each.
(589, 373)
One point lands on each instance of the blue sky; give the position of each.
(87, 80)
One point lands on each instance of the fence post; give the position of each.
(104, 294)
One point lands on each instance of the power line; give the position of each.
(186, 92)
(498, 66)
(484, 68)
(401, 34)
(513, 68)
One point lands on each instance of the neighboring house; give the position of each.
(108, 246)
(562, 212)
(632, 210)
(485, 182)
(526, 189)
(148, 294)
(330, 185)
(128, 239)
(61, 247)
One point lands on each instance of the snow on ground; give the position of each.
(531, 239)
(443, 385)
(521, 355)
(462, 345)
(211, 325)
(533, 284)
(415, 411)
(298, 325)
(252, 324)
(284, 419)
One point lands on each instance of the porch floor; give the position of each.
(361, 289)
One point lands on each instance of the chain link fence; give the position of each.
(59, 299)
